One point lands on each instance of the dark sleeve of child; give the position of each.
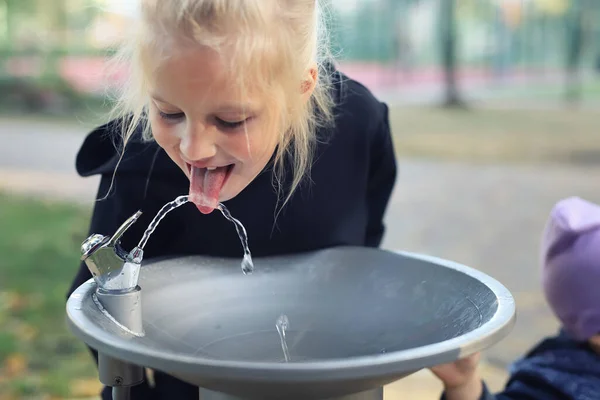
(557, 368)
(520, 387)
(382, 176)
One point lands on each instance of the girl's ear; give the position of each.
(310, 81)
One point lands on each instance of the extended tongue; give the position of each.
(205, 187)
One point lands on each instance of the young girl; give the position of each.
(567, 366)
(237, 101)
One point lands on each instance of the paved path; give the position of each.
(486, 216)
(38, 157)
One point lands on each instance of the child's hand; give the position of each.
(460, 378)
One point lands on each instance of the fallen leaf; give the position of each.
(4, 296)
(89, 387)
(14, 302)
(26, 332)
(14, 365)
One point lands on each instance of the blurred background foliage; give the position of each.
(53, 51)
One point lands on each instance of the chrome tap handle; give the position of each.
(110, 265)
(96, 241)
(116, 237)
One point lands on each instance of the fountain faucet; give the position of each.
(113, 268)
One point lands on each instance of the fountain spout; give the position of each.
(114, 269)
(116, 274)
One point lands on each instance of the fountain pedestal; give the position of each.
(375, 394)
(359, 319)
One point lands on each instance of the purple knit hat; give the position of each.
(571, 266)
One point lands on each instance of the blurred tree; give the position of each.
(53, 13)
(448, 45)
(552, 7)
(44, 32)
(578, 29)
(574, 39)
(59, 24)
(13, 10)
(399, 46)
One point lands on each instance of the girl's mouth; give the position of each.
(206, 185)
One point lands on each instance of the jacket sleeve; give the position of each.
(382, 177)
(518, 388)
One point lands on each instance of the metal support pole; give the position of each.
(121, 393)
(126, 310)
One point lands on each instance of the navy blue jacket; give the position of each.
(343, 202)
(558, 368)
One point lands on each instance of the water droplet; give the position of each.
(247, 264)
(283, 323)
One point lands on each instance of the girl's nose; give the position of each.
(198, 143)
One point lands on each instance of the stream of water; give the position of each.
(282, 324)
(247, 263)
(167, 208)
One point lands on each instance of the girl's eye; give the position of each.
(171, 117)
(231, 124)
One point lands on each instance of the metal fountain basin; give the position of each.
(360, 318)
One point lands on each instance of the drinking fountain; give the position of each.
(355, 319)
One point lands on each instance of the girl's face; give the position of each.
(199, 118)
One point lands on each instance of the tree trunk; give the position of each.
(9, 9)
(574, 52)
(448, 53)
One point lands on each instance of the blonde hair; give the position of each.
(272, 44)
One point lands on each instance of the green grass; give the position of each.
(498, 135)
(40, 250)
(589, 91)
